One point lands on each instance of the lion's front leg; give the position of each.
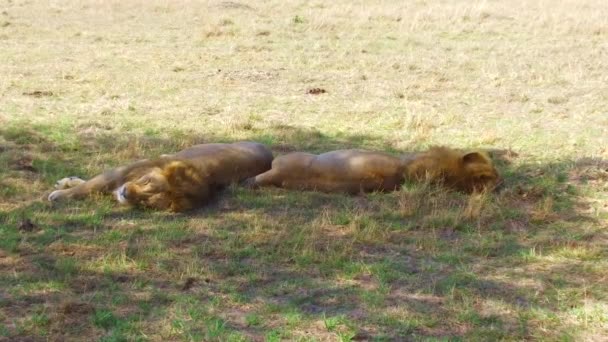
(63, 187)
(102, 183)
(78, 188)
(73, 187)
(58, 195)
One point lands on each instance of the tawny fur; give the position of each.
(356, 171)
(175, 182)
(464, 171)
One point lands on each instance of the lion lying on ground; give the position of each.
(355, 171)
(175, 182)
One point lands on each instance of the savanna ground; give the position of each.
(88, 85)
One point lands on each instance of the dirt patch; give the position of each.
(39, 93)
(188, 284)
(73, 316)
(24, 163)
(589, 170)
(516, 226)
(316, 91)
(26, 225)
(75, 308)
(85, 284)
(83, 252)
(234, 5)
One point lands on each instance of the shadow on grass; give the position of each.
(414, 264)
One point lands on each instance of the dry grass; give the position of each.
(84, 86)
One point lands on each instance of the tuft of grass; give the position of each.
(10, 238)
(105, 319)
(253, 320)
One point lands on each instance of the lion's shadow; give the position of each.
(541, 206)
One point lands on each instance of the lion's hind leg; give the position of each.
(68, 182)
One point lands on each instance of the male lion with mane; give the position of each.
(355, 171)
(175, 182)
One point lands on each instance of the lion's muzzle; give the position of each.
(121, 194)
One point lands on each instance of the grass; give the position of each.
(84, 88)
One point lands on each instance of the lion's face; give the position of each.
(176, 186)
(479, 173)
(467, 172)
(150, 190)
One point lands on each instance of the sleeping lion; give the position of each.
(355, 171)
(175, 182)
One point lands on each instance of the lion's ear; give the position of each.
(475, 157)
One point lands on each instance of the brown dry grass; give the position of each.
(84, 86)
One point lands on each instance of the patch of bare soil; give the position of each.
(39, 93)
(72, 316)
(235, 5)
(26, 225)
(316, 91)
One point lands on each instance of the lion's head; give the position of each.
(477, 173)
(170, 185)
(468, 172)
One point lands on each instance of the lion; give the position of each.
(175, 182)
(355, 171)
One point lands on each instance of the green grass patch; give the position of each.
(10, 238)
(424, 264)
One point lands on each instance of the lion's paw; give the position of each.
(68, 182)
(56, 195)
